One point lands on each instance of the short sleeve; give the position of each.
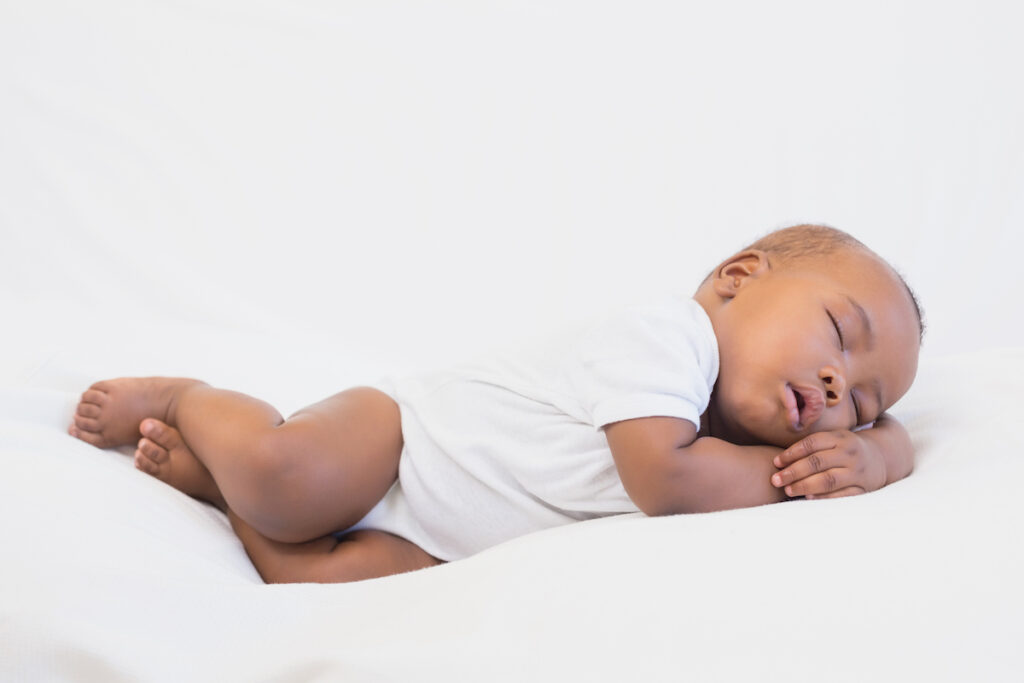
(660, 359)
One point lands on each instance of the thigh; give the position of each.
(337, 458)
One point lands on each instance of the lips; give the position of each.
(804, 405)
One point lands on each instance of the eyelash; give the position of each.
(839, 331)
(842, 347)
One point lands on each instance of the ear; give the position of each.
(737, 270)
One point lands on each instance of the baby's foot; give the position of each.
(109, 412)
(163, 454)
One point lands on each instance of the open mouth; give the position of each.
(804, 405)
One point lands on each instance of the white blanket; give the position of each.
(110, 575)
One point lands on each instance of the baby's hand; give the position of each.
(830, 465)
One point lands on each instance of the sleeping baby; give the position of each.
(770, 383)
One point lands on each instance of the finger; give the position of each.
(819, 441)
(822, 483)
(816, 462)
(841, 493)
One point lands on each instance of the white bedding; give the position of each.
(110, 575)
(289, 198)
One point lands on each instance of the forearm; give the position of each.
(712, 474)
(893, 442)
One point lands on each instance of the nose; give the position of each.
(835, 384)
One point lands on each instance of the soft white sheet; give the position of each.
(288, 198)
(110, 575)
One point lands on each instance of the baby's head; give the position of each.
(815, 332)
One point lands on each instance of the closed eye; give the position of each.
(839, 331)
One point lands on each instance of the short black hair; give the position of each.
(804, 241)
(811, 240)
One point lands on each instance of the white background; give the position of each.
(404, 184)
(286, 198)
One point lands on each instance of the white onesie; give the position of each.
(498, 449)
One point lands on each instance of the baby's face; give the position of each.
(810, 348)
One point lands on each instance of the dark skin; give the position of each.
(286, 485)
(842, 333)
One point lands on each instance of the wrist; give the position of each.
(890, 448)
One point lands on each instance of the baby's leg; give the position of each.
(293, 480)
(364, 554)
(163, 454)
(358, 555)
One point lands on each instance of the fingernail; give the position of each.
(777, 479)
(777, 461)
(789, 490)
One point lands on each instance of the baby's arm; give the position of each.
(892, 439)
(667, 470)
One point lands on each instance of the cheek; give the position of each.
(767, 350)
(741, 398)
(748, 369)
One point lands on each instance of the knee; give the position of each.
(273, 456)
(265, 496)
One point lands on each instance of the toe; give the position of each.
(91, 438)
(145, 464)
(88, 410)
(101, 386)
(95, 396)
(87, 424)
(153, 451)
(160, 433)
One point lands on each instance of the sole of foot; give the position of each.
(109, 412)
